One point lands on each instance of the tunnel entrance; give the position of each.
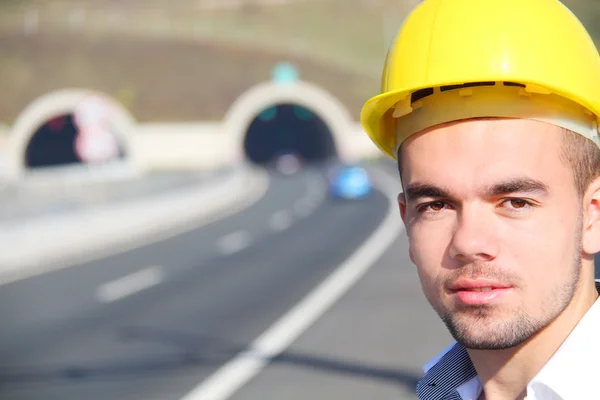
(59, 142)
(288, 129)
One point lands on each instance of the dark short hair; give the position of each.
(584, 157)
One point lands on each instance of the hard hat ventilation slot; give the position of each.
(466, 85)
(514, 84)
(420, 94)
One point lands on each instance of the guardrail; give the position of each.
(64, 189)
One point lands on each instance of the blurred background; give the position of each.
(189, 208)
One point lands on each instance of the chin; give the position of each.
(481, 331)
(476, 342)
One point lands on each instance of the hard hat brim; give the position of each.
(379, 124)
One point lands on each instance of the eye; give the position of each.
(517, 204)
(432, 207)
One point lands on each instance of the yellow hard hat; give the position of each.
(531, 48)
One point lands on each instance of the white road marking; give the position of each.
(316, 188)
(234, 242)
(280, 221)
(234, 374)
(130, 284)
(304, 206)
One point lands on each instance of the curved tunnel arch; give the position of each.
(48, 123)
(326, 108)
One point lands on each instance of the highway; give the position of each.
(158, 321)
(153, 322)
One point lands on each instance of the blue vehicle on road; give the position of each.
(349, 182)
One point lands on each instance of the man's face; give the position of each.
(494, 226)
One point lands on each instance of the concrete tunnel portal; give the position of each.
(288, 128)
(85, 131)
(73, 126)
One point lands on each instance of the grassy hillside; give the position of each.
(188, 59)
(171, 80)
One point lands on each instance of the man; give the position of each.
(491, 109)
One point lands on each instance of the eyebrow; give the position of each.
(418, 190)
(517, 185)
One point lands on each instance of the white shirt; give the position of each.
(570, 374)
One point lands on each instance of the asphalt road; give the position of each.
(153, 322)
(203, 296)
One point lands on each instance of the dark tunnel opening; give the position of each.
(54, 144)
(288, 129)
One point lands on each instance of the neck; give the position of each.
(505, 374)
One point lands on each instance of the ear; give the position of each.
(402, 206)
(591, 219)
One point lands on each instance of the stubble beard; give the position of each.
(479, 328)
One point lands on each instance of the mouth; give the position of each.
(481, 289)
(478, 291)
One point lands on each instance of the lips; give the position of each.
(481, 289)
(478, 291)
(478, 284)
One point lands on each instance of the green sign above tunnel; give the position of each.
(284, 73)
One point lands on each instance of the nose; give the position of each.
(475, 236)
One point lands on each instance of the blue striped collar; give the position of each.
(449, 371)
(452, 376)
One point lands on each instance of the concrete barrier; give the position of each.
(28, 248)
